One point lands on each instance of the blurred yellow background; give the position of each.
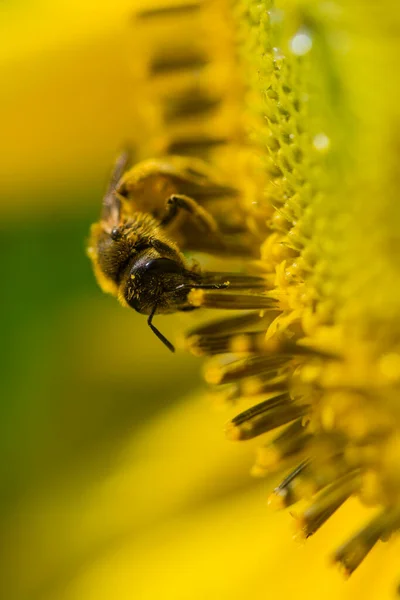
(116, 481)
(80, 375)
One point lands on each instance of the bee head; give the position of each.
(158, 282)
(141, 270)
(110, 255)
(158, 279)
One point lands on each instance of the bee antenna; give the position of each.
(209, 286)
(157, 332)
(203, 286)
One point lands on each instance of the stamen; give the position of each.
(208, 344)
(288, 444)
(321, 473)
(326, 503)
(245, 343)
(226, 300)
(285, 495)
(239, 369)
(169, 61)
(235, 391)
(275, 382)
(194, 145)
(351, 554)
(236, 280)
(192, 102)
(168, 11)
(233, 324)
(229, 395)
(264, 417)
(248, 342)
(255, 341)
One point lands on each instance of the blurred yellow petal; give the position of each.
(229, 549)
(66, 100)
(334, 206)
(153, 477)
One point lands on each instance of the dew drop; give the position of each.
(321, 142)
(301, 43)
(278, 54)
(275, 16)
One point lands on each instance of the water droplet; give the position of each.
(301, 43)
(321, 142)
(278, 54)
(275, 16)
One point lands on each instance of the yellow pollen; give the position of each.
(232, 432)
(389, 366)
(195, 297)
(213, 375)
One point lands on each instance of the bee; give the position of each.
(151, 214)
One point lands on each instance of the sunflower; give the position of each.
(320, 363)
(332, 352)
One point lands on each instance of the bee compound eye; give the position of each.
(163, 265)
(115, 233)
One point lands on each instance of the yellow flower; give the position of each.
(329, 360)
(324, 351)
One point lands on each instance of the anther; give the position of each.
(285, 495)
(229, 301)
(264, 417)
(180, 59)
(233, 324)
(194, 145)
(239, 369)
(168, 11)
(290, 443)
(351, 554)
(326, 503)
(193, 102)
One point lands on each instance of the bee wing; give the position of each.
(111, 210)
(189, 176)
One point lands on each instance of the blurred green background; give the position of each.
(79, 374)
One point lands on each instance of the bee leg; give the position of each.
(216, 242)
(178, 202)
(157, 332)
